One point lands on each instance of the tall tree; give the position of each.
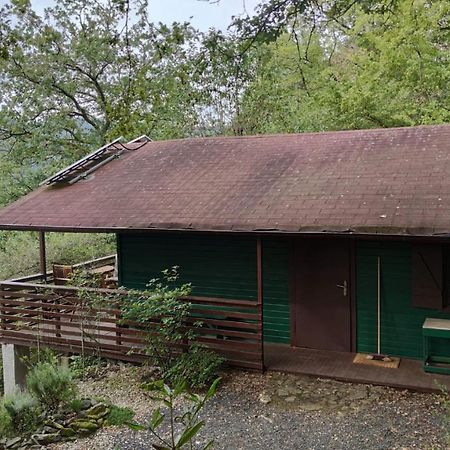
(274, 17)
(86, 72)
(401, 66)
(376, 68)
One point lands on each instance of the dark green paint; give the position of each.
(276, 290)
(217, 266)
(401, 324)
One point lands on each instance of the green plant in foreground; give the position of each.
(51, 384)
(19, 413)
(183, 427)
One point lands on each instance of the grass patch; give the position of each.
(76, 405)
(119, 416)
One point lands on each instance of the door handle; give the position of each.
(343, 287)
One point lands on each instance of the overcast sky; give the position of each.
(204, 15)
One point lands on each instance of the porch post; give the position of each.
(14, 370)
(42, 256)
(259, 281)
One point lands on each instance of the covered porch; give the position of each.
(43, 309)
(340, 366)
(38, 310)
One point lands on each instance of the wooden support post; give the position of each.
(378, 306)
(259, 280)
(14, 370)
(118, 333)
(42, 256)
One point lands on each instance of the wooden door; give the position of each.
(322, 306)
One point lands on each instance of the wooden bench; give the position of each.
(435, 328)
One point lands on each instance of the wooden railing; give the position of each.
(86, 265)
(55, 316)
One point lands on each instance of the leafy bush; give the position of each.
(198, 367)
(160, 308)
(19, 413)
(51, 384)
(161, 311)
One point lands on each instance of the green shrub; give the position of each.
(160, 303)
(163, 303)
(19, 413)
(41, 355)
(5, 422)
(51, 384)
(197, 368)
(119, 416)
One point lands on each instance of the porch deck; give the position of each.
(340, 366)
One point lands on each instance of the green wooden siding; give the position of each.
(277, 325)
(401, 324)
(217, 266)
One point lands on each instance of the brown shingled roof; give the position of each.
(390, 181)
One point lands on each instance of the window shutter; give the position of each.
(427, 289)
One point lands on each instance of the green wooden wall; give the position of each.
(216, 265)
(401, 333)
(276, 290)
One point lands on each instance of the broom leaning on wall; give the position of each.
(378, 358)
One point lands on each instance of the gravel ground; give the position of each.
(276, 411)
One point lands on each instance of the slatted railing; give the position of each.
(86, 265)
(55, 316)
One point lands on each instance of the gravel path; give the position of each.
(276, 411)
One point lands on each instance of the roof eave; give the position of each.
(400, 235)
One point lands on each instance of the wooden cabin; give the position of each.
(343, 237)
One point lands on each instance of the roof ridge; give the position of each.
(304, 133)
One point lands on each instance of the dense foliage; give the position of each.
(196, 368)
(370, 68)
